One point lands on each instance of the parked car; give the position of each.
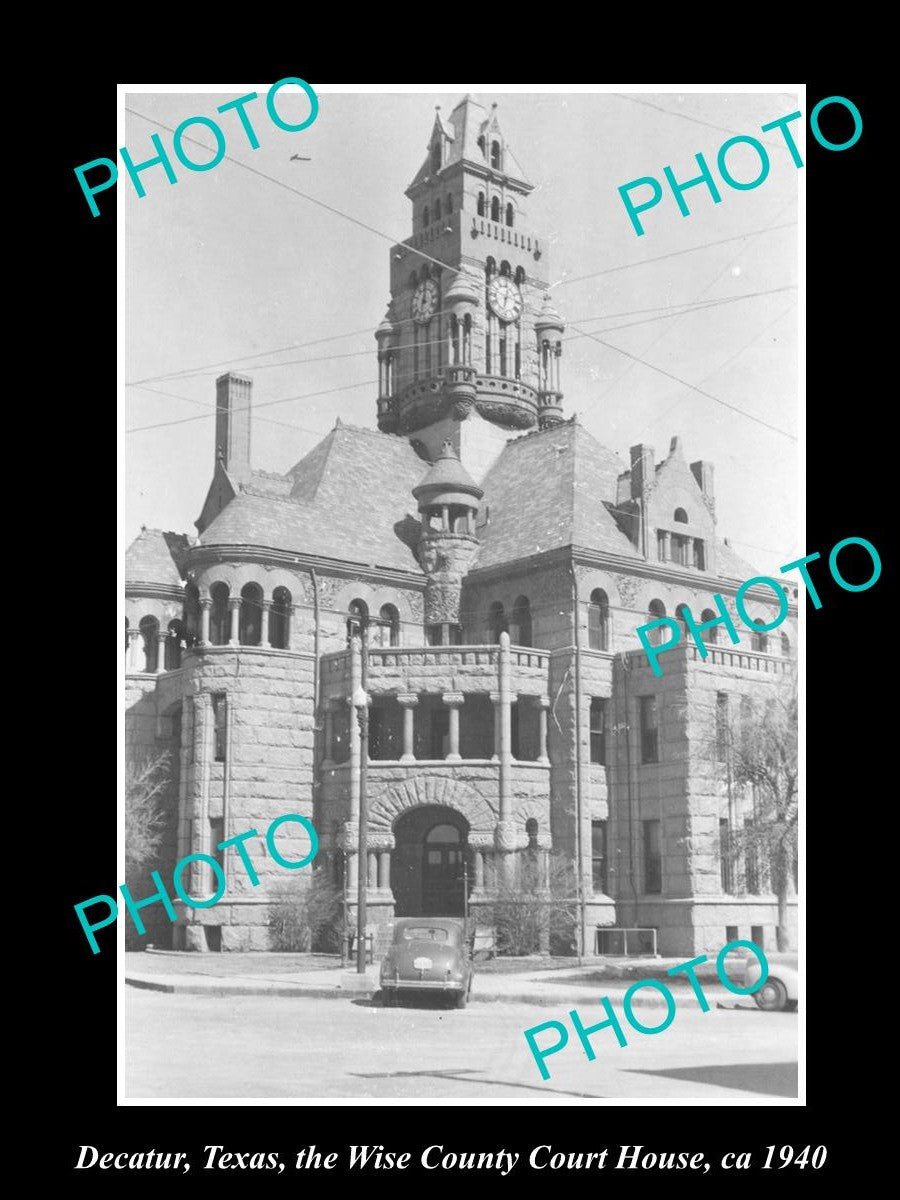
(782, 987)
(427, 954)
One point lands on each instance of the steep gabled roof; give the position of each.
(350, 499)
(547, 490)
(156, 556)
(468, 120)
(730, 565)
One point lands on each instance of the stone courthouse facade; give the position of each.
(494, 560)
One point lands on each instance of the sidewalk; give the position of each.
(278, 975)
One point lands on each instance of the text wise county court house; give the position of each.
(498, 559)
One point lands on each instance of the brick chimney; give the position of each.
(703, 473)
(642, 470)
(233, 398)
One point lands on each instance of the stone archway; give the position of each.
(428, 863)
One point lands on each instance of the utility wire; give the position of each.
(661, 311)
(345, 387)
(672, 254)
(669, 112)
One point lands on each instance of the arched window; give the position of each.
(505, 268)
(598, 620)
(446, 834)
(497, 621)
(436, 157)
(389, 625)
(509, 214)
(449, 204)
(425, 215)
(785, 646)
(520, 633)
(357, 619)
(149, 628)
(710, 636)
(495, 155)
(218, 615)
(655, 610)
(481, 204)
(175, 643)
(454, 338)
(531, 832)
(681, 516)
(759, 642)
(191, 614)
(481, 145)
(683, 613)
(280, 619)
(520, 275)
(250, 624)
(437, 209)
(490, 327)
(495, 209)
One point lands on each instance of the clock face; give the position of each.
(424, 301)
(505, 298)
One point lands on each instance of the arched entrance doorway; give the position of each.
(428, 861)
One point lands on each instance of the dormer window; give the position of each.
(495, 155)
(436, 157)
(681, 517)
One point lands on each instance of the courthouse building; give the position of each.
(497, 559)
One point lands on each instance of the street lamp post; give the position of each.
(361, 704)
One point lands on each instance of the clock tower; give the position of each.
(470, 323)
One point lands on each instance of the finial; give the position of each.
(494, 105)
(437, 108)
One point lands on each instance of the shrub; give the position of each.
(306, 914)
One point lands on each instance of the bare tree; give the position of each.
(759, 748)
(145, 782)
(537, 907)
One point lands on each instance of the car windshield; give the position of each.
(426, 933)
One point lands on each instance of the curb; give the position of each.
(543, 999)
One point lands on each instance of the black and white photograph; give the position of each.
(464, 590)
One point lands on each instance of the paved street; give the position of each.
(258, 1046)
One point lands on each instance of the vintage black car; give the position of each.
(427, 954)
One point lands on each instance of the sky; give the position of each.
(227, 270)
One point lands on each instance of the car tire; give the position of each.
(772, 996)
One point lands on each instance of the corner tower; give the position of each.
(464, 328)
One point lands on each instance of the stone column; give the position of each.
(161, 638)
(135, 644)
(372, 880)
(544, 708)
(495, 700)
(384, 869)
(355, 744)
(205, 607)
(453, 700)
(666, 551)
(264, 639)
(505, 730)
(408, 702)
(234, 620)
(479, 868)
